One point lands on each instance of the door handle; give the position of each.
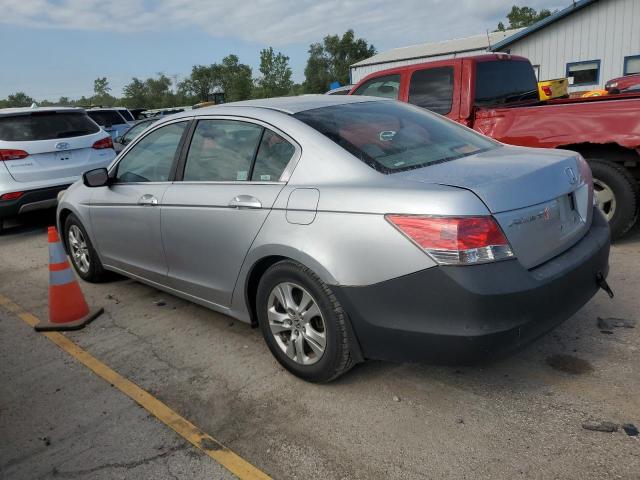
(148, 200)
(245, 201)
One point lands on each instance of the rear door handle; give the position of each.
(148, 200)
(245, 201)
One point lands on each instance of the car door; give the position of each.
(125, 216)
(232, 175)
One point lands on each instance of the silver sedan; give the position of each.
(346, 228)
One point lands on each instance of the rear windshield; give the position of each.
(46, 126)
(106, 117)
(392, 137)
(502, 81)
(127, 115)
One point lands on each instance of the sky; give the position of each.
(54, 48)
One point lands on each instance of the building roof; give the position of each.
(458, 45)
(574, 7)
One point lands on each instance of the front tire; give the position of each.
(616, 194)
(303, 324)
(83, 256)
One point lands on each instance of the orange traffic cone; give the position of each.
(67, 308)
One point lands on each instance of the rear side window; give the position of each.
(46, 126)
(106, 117)
(432, 89)
(273, 156)
(384, 87)
(222, 151)
(501, 81)
(392, 137)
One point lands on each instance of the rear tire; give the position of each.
(617, 194)
(329, 320)
(83, 256)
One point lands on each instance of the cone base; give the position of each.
(75, 325)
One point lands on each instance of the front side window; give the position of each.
(432, 89)
(134, 131)
(151, 159)
(385, 87)
(501, 82)
(584, 73)
(392, 137)
(222, 151)
(45, 125)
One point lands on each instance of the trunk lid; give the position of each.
(539, 197)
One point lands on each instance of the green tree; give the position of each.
(19, 99)
(520, 17)
(135, 94)
(275, 79)
(101, 87)
(329, 61)
(202, 82)
(235, 79)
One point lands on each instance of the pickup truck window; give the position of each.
(385, 87)
(500, 82)
(392, 137)
(432, 89)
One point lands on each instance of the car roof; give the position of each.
(27, 110)
(291, 105)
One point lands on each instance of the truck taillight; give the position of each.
(547, 90)
(455, 240)
(103, 143)
(11, 154)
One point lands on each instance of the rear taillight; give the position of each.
(10, 154)
(455, 240)
(103, 143)
(11, 196)
(547, 90)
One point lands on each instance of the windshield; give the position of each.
(392, 137)
(46, 126)
(503, 81)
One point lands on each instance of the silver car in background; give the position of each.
(346, 228)
(43, 151)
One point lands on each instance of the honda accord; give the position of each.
(346, 228)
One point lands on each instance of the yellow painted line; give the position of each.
(187, 430)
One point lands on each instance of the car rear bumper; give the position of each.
(31, 200)
(456, 314)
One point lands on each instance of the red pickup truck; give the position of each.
(497, 95)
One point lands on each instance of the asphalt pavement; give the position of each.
(521, 417)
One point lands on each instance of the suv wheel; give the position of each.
(303, 323)
(83, 256)
(616, 193)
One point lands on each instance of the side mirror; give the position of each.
(119, 139)
(98, 177)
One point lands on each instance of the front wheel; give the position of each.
(616, 193)
(83, 256)
(303, 323)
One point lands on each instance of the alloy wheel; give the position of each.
(296, 323)
(79, 249)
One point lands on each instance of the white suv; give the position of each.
(43, 151)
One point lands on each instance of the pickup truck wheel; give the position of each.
(616, 193)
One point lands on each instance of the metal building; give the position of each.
(427, 52)
(589, 42)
